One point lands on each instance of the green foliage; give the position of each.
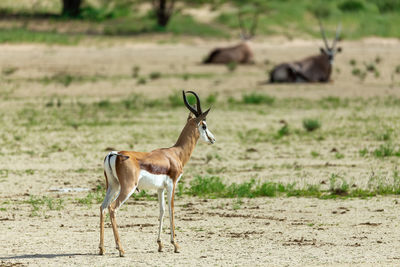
(155, 75)
(387, 6)
(363, 152)
(314, 154)
(231, 66)
(257, 99)
(351, 6)
(397, 69)
(311, 124)
(111, 10)
(339, 155)
(22, 35)
(338, 185)
(135, 71)
(212, 98)
(283, 131)
(386, 150)
(320, 10)
(37, 202)
(141, 80)
(9, 70)
(210, 186)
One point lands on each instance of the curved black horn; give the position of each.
(323, 34)
(197, 103)
(338, 30)
(188, 105)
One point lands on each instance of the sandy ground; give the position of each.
(259, 232)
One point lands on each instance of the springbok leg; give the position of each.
(171, 192)
(125, 193)
(161, 201)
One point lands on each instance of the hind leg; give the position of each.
(161, 201)
(101, 245)
(123, 196)
(112, 190)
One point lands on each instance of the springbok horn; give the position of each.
(338, 30)
(188, 105)
(197, 103)
(323, 34)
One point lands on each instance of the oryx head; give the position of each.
(330, 51)
(200, 118)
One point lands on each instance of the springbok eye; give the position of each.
(204, 127)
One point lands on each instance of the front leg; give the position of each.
(171, 193)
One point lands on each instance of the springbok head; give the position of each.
(200, 118)
(330, 51)
(244, 34)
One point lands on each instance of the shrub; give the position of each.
(231, 66)
(311, 124)
(155, 75)
(141, 80)
(351, 6)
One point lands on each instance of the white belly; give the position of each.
(148, 180)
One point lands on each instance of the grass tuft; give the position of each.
(311, 124)
(257, 99)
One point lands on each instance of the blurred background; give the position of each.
(68, 21)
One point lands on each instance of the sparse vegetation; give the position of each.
(135, 71)
(214, 187)
(141, 80)
(9, 70)
(311, 124)
(231, 66)
(37, 204)
(257, 99)
(155, 75)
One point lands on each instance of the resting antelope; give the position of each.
(160, 169)
(312, 69)
(240, 53)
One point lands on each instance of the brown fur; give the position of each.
(240, 54)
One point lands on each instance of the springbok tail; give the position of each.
(113, 188)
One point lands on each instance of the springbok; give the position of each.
(161, 169)
(316, 68)
(240, 53)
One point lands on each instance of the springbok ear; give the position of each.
(339, 49)
(190, 116)
(202, 116)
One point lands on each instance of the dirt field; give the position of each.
(56, 127)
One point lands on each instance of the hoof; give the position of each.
(176, 248)
(102, 251)
(121, 252)
(160, 247)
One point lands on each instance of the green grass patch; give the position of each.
(21, 35)
(40, 203)
(257, 99)
(214, 187)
